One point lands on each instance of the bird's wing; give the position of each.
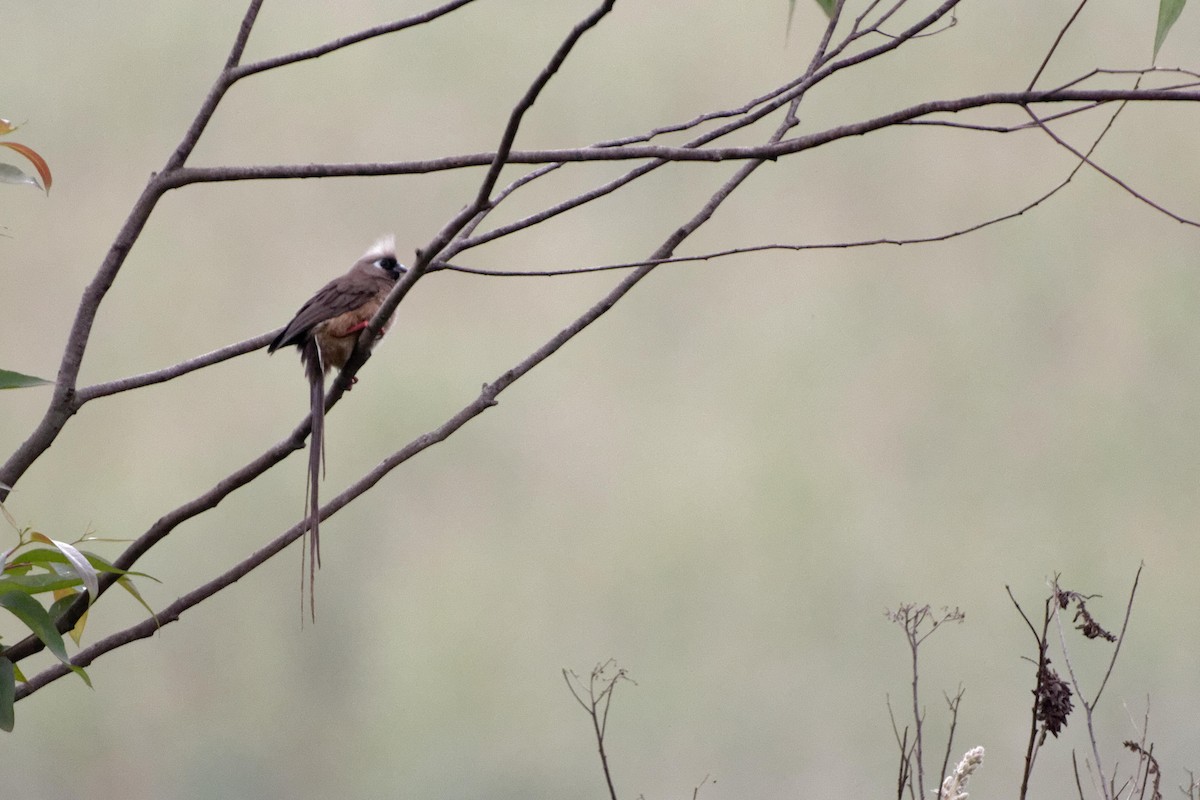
(334, 299)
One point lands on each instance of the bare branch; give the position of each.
(1024, 126)
(634, 152)
(530, 97)
(346, 41)
(1129, 189)
(169, 373)
(597, 706)
(426, 255)
(243, 35)
(1057, 41)
(1035, 740)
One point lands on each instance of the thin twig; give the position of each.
(427, 254)
(953, 704)
(98, 390)
(1121, 636)
(1113, 178)
(1033, 744)
(1075, 768)
(904, 770)
(597, 706)
(1054, 46)
(346, 41)
(1087, 707)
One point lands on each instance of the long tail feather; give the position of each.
(316, 454)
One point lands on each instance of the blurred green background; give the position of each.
(722, 484)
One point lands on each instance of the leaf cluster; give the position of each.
(39, 565)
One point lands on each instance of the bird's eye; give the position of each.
(387, 263)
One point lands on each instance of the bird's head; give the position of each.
(382, 256)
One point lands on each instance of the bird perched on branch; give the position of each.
(325, 330)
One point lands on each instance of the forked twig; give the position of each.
(597, 703)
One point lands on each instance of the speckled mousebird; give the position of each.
(325, 330)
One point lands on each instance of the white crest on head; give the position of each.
(384, 246)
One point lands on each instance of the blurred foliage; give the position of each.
(12, 174)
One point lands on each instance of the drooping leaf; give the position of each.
(30, 612)
(43, 556)
(8, 695)
(38, 162)
(79, 564)
(11, 174)
(37, 583)
(64, 599)
(8, 378)
(76, 633)
(38, 620)
(1168, 12)
(128, 586)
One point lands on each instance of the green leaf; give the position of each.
(37, 583)
(8, 695)
(8, 378)
(62, 603)
(41, 556)
(1168, 12)
(30, 612)
(79, 564)
(41, 582)
(64, 599)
